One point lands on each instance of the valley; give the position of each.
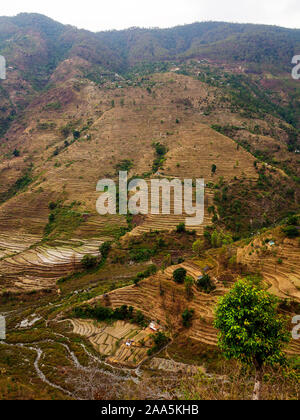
(80, 291)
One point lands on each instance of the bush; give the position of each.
(293, 220)
(76, 134)
(104, 249)
(16, 153)
(141, 254)
(102, 313)
(160, 341)
(188, 283)
(291, 231)
(187, 317)
(89, 261)
(181, 228)
(52, 205)
(205, 284)
(179, 275)
(152, 269)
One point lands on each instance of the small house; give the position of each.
(153, 326)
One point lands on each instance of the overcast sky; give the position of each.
(97, 15)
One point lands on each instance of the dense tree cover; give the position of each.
(102, 313)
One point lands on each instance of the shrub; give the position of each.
(187, 317)
(293, 220)
(16, 153)
(291, 231)
(198, 247)
(89, 261)
(141, 254)
(76, 134)
(188, 283)
(102, 313)
(179, 275)
(152, 269)
(104, 249)
(52, 205)
(181, 228)
(124, 165)
(160, 341)
(205, 284)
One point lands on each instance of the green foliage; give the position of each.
(291, 231)
(63, 220)
(160, 341)
(198, 247)
(205, 284)
(181, 228)
(104, 249)
(67, 129)
(251, 330)
(89, 261)
(141, 254)
(16, 153)
(53, 106)
(20, 185)
(187, 317)
(293, 220)
(52, 205)
(160, 150)
(102, 313)
(124, 165)
(152, 269)
(188, 284)
(179, 275)
(76, 134)
(219, 239)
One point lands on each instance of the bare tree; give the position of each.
(91, 383)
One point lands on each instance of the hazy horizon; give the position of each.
(120, 14)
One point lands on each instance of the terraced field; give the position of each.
(40, 267)
(279, 263)
(160, 299)
(110, 340)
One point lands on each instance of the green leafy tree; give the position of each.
(76, 134)
(214, 169)
(187, 317)
(251, 330)
(181, 228)
(198, 247)
(167, 261)
(104, 249)
(89, 261)
(188, 284)
(206, 284)
(179, 275)
(291, 231)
